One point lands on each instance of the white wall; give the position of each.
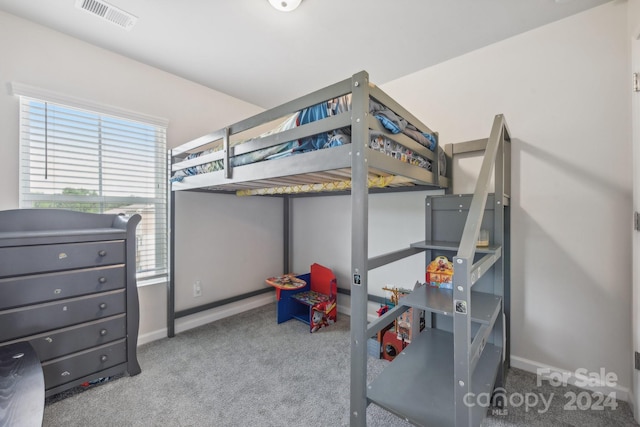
(564, 90)
(634, 37)
(37, 56)
(322, 233)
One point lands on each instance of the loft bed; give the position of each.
(347, 138)
(307, 146)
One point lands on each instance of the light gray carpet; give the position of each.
(248, 371)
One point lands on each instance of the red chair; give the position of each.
(316, 305)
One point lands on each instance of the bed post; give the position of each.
(171, 292)
(286, 255)
(225, 150)
(359, 246)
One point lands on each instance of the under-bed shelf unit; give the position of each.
(355, 169)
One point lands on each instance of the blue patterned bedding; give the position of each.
(377, 141)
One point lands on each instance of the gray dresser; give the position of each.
(68, 287)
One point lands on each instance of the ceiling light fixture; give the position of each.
(285, 5)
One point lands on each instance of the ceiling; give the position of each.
(247, 49)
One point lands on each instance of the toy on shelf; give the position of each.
(382, 310)
(392, 345)
(483, 239)
(440, 273)
(403, 325)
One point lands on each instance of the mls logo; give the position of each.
(498, 412)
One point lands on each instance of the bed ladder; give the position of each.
(467, 327)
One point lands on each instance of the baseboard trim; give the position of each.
(621, 393)
(204, 317)
(152, 336)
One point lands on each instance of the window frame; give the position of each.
(160, 273)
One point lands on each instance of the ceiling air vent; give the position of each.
(108, 12)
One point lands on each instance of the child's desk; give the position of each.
(288, 282)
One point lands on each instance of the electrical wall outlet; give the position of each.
(197, 289)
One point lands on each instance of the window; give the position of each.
(74, 158)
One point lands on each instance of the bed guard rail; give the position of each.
(494, 157)
(467, 272)
(228, 149)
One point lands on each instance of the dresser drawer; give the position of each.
(69, 340)
(23, 290)
(25, 321)
(21, 260)
(78, 365)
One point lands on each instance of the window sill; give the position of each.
(152, 281)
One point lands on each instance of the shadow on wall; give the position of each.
(592, 174)
(570, 267)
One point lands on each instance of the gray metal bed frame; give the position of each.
(359, 163)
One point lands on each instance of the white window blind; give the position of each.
(87, 161)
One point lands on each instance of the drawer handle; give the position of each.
(102, 253)
(103, 332)
(103, 358)
(102, 305)
(102, 280)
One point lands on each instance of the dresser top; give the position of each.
(20, 227)
(22, 238)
